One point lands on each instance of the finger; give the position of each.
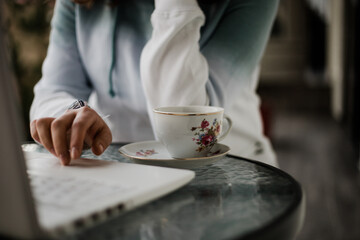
(102, 140)
(33, 131)
(59, 129)
(101, 134)
(84, 120)
(93, 131)
(44, 133)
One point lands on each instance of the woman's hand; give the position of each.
(65, 136)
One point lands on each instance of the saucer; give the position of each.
(154, 153)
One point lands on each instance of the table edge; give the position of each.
(285, 222)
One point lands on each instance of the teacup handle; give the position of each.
(228, 128)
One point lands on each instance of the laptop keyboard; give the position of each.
(70, 191)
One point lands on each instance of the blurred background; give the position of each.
(310, 99)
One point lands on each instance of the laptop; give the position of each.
(40, 198)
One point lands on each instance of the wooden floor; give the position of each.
(314, 149)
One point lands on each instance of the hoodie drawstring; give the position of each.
(113, 55)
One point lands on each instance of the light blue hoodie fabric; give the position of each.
(94, 54)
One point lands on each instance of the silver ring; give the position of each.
(77, 104)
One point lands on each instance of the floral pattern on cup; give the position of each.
(206, 134)
(145, 153)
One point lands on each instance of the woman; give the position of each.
(111, 55)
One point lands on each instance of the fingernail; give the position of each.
(101, 147)
(63, 159)
(74, 153)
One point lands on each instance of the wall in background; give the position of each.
(27, 23)
(285, 59)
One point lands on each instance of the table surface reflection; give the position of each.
(234, 198)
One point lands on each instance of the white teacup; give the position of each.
(190, 131)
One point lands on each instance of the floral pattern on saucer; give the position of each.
(155, 153)
(206, 135)
(145, 153)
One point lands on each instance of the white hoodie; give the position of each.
(190, 54)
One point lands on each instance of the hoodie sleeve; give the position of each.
(173, 70)
(63, 76)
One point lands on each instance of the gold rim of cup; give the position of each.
(160, 111)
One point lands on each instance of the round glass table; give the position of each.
(233, 198)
